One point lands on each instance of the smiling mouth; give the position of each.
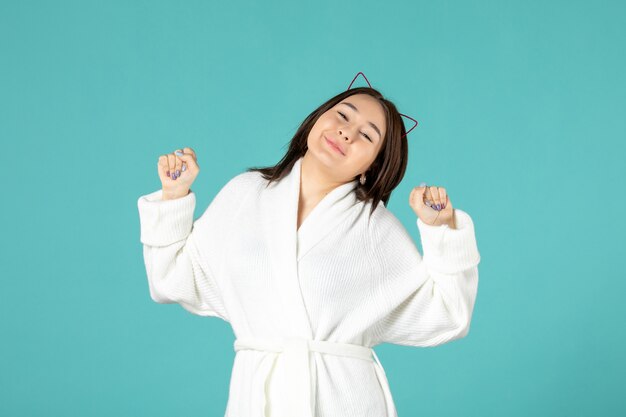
(333, 145)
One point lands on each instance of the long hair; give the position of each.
(384, 174)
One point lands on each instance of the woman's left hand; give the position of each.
(434, 196)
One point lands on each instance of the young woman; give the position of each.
(308, 267)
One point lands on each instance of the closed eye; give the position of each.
(346, 119)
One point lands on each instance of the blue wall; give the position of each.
(521, 117)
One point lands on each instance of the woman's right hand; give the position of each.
(177, 171)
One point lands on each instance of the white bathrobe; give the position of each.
(307, 305)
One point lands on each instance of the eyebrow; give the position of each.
(353, 107)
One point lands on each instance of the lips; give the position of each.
(334, 145)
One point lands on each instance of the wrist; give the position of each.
(452, 222)
(173, 196)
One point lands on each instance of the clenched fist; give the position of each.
(177, 171)
(432, 205)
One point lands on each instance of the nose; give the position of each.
(341, 134)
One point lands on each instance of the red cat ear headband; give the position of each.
(368, 83)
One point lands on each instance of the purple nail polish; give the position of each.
(177, 173)
(168, 173)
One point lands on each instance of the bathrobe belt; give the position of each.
(299, 384)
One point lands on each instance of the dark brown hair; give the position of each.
(383, 175)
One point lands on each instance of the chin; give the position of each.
(324, 156)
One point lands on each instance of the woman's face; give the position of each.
(357, 126)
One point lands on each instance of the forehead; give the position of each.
(366, 104)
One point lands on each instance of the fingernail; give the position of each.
(438, 206)
(177, 173)
(184, 167)
(168, 173)
(179, 153)
(174, 176)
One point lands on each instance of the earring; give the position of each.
(362, 179)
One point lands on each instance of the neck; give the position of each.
(314, 181)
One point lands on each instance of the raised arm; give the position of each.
(431, 298)
(182, 256)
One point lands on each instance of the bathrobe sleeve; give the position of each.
(181, 255)
(429, 299)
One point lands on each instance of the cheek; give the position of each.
(363, 152)
(318, 128)
(325, 123)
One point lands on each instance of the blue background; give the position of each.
(521, 117)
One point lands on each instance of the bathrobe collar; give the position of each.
(288, 244)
